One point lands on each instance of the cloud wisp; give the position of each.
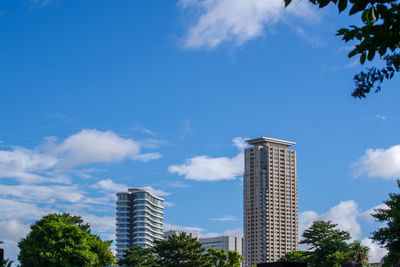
(227, 218)
(238, 21)
(25, 165)
(205, 168)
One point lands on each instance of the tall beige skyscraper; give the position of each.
(270, 206)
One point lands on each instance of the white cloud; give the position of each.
(104, 225)
(367, 215)
(380, 117)
(227, 218)
(178, 184)
(231, 232)
(42, 3)
(142, 130)
(234, 232)
(157, 192)
(11, 209)
(346, 215)
(13, 230)
(380, 163)
(24, 165)
(187, 128)
(240, 142)
(168, 227)
(51, 161)
(43, 194)
(109, 185)
(168, 204)
(312, 39)
(205, 168)
(148, 156)
(376, 252)
(91, 146)
(306, 219)
(238, 20)
(60, 116)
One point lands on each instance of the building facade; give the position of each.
(270, 204)
(228, 243)
(139, 219)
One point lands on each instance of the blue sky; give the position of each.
(98, 96)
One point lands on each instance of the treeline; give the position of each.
(62, 240)
(179, 251)
(330, 247)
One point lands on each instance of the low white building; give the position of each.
(228, 243)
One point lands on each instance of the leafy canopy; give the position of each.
(138, 257)
(180, 251)
(379, 34)
(219, 258)
(6, 263)
(329, 247)
(299, 255)
(389, 235)
(63, 240)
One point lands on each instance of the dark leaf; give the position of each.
(371, 54)
(287, 2)
(362, 58)
(323, 3)
(342, 5)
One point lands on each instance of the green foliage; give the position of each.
(299, 255)
(389, 235)
(321, 232)
(379, 35)
(181, 251)
(358, 253)
(138, 257)
(6, 263)
(218, 258)
(63, 240)
(234, 259)
(330, 247)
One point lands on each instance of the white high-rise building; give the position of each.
(139, 219)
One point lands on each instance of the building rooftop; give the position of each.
(262, 140)
(135, 190)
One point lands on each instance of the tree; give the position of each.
(379, 34)
(138, 257)
(299, 255)
(389, 235)
(358, 253)
(218, 258)
(181, 251)
(329, 244)
(6, 263)
(234, 259)
(63, 240)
